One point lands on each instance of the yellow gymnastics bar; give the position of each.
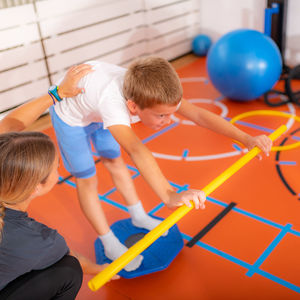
(100, 279)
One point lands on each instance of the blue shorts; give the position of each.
(75, 145)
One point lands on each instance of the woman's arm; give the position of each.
(88, 266)
(26, 114)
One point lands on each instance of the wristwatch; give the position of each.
(53, 92)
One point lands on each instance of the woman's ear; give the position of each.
(37, 191)
(132, 106)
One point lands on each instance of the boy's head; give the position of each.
(152, 90)
(150, 81)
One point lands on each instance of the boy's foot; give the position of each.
(113, 249)
(148, 223)
(141, 219)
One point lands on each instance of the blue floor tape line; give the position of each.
(218, 202)
(185, 153)
(157, 208)
(218, 252)
(253, 269)
(237, 147)
(155, 135)
(244, 264)
(278, 280)
(253, 216)
(285, 229)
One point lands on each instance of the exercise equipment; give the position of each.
(100, 279)
(244, 64)
(156, 258)
(201, 44)
(270, 113)
(275, 27)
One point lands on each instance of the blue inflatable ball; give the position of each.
(201, 44)
(244, 64)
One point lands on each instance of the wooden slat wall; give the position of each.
(171, 26)
(39, 42)
(22, 67)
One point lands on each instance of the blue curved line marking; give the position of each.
(252, 125)
(290, 163)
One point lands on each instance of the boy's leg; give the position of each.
(109, 150)
(90, 204)
(77, 156)
(91, 207)
(121, 179)
(75, 147)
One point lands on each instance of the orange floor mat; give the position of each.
(252, 253)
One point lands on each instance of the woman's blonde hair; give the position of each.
(150, 81)
(26, 159)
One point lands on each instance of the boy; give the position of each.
(150, 92)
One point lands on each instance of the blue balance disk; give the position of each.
(157, 256)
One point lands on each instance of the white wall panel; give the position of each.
(18, 36)
(175, 51)
(20, 94)
(91, 34)
(115, 31)
(76, 19)
(92, 51)
(293, 33)
(220, 16)
(23, 74)
(10, 17)
(22, 65)
(50, 8)
(19, 56)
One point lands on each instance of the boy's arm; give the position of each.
(150, 170)
(26, 114)
(214, 122)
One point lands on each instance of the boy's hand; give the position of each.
(178, 199)
(261, 141)
(68, 87)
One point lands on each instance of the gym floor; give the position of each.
(251, 253)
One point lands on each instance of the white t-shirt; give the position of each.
(102, 101)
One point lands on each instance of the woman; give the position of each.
(35, 261)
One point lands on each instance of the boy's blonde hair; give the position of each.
(150, 81)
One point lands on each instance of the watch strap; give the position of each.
(53, 92)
